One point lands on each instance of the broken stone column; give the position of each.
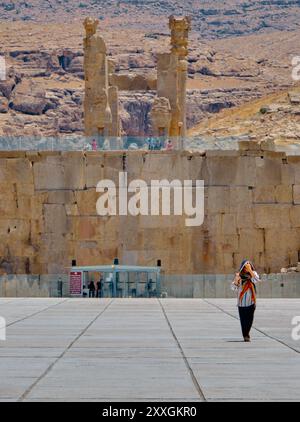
(97, 112)
(167, 83)
(113, 99)
(161, 116)
(180, 28)
(172, 75)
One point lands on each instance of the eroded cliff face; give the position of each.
(48, 211)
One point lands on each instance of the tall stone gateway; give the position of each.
(100, 118)
(172, 74)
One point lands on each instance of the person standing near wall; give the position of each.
(99, 288)
(244, 284)
(94, 145)
(92, 289)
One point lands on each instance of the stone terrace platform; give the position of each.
(147, 349)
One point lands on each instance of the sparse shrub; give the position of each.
(8, 7)
(263, 110)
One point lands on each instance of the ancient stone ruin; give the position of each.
(48, 198)
(101, 103)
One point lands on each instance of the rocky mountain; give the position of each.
(211, 19)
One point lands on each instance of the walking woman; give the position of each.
(244, 284)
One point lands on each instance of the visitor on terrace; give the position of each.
(244, 284)
(169, 145)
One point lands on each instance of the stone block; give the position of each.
(218, 199)
(55, 172)
(272, 215)
(245, 171)
(268, 171)
(94, 169)
(294, 163)
(55, 218)
(264, 194)
(287, 174)
(251, 241)
(19, 170)
(228, 263)
(86, 201)
(88, 228)
(276, 285)
(289, 282)
(296, 194)
(245, 220)
(221, 285)
(209, 285)
(284, 194)
(240, 199)
(295, 215)
(229, 223)
(198, 286)
(60, 197)
(264, 287)
(220, 170)
(228, 243)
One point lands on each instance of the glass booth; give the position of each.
(115, 281)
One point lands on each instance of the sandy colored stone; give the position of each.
(296, 194)
(54, 220)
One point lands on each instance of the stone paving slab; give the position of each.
(147, 349)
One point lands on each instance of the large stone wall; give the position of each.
(48, 211)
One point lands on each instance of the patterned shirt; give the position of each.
(246, 295)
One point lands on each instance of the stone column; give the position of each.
(167, 87)
(113, 99)
(172, 76)
(180, 28)
(97, 113)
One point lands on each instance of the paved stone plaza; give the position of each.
(147, 349)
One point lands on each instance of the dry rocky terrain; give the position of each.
(239, 52)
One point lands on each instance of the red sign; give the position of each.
(75, 283)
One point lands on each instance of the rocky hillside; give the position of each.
(274, 118)
(211, 19)
(44, 89)
(43, 92)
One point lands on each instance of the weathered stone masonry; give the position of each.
(48, 211)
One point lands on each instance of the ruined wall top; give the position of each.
(180, 28)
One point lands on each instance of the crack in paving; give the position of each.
(36, 313)
(50, 367)
(192, 375)
(254, 328)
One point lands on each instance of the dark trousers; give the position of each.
(246, 317)
(91, 293)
